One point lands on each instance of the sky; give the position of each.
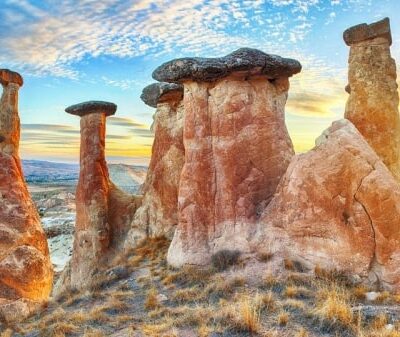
(70, 51)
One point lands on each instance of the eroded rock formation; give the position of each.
(26, 273)
(373, 102)
(103, 212)
(236, 147)
(337, 207)
(158, 214)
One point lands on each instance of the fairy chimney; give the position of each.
(158, 215)
(237, 147)
(26, 273)
(373, 102)
(103, 212)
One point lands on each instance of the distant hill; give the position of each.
(127, 177)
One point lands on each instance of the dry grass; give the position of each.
(333, 305)
(151, 301)
(244, 313)
(302, 333)
(283, 318)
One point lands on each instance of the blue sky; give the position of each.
(70, 51)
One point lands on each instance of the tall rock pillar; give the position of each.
(373, 102)
(103, 213)
(26, 273)
(236, 147)
(158, 214)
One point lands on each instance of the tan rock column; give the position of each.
(103, 212)
(373, 102)
(26, 273)
(158, 214)
(236, 148)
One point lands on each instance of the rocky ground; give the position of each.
(142, 296)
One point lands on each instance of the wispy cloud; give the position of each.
(125, 138)
(49, 37)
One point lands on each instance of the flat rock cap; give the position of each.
(8, 76)
(365, 32)
(90, 107)
(246, 60)
(157, 92)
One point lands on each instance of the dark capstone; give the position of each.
(90, 107)
(347, 88)
(365, 32)
(247, 60)
(152, 94)
(7, 76)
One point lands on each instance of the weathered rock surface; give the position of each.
(158, 214)
(246, 61)
(337, 207)
(236, 148)
(157, 93)
(103, 211)
(26, 273)
(373, 102)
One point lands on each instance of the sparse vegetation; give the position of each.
(149, 297)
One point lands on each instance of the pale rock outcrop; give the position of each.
(236, 147)
(26, 273)
(158, 214)
(103, 212)
(373, 102)
(337, 207)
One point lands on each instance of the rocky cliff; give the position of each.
(26, 274)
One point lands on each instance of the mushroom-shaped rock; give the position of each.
(245, 61)
(26, 273)
(8, 76)
(237, 148)
(90, 107)
(103, 212)
(364, 32)
(373, 102)
(161, 92)
(158, 214)
(337, 207)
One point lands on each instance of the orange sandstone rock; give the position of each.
(158, 214)
(26, 273)
(236, 148)
(103, 211)
(337, 207)
(373, 102)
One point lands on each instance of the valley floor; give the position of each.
(142, 296)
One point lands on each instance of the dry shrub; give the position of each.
(224, 259)
(302, 333)
(151, 301)
(244, 313)
(333, 305)
(283, 318)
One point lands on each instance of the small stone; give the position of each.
(371, 296)
(389, 327)
(162, 298)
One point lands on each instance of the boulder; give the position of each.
(337, 207)
(158, 215)
(103, 212)
(373, 102)
(26, 273)
(236, 148)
